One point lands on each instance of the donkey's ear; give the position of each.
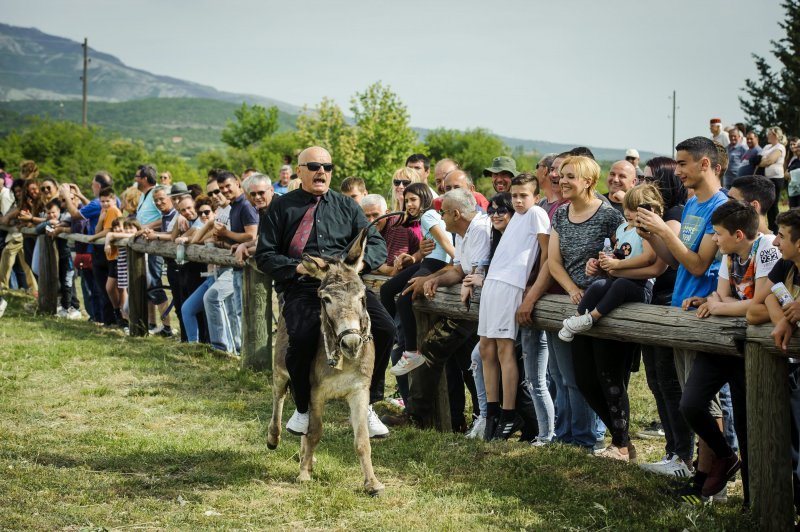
(355, 255)
(316, 266)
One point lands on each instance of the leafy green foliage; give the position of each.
(253, 124)
(773, 98)
(472, 149)
(326, 126)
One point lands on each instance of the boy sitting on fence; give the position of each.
(55, 220)
(749, 257)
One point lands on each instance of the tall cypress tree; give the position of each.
(773, 99)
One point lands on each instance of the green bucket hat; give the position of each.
(502, 164)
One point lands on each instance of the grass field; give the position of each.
(100, 431)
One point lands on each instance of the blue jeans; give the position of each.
(726, 404)
(236, 318)
(535, 356)
(191, 308)
(218, 303)
(575, 420)
(477, 374)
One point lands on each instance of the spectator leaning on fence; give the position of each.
(320, 222)
(158, 297)
(258, 189)
(694, 253)
(108, 214)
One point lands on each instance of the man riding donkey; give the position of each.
(314, 221)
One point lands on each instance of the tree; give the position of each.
(253, 124)
(327, 127)
(384, 136)
(473, 149)
(773, 99)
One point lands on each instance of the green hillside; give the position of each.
(156, 121)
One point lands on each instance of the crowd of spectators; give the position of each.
(702, 231)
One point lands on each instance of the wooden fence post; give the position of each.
(48, 275)
(256, 319)
(770, 462)
(137, 292)
(441, 399)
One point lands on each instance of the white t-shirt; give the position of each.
(774, 170)
(473, 248)
(223, 216)
(722, 138)
(765, 257)
(518, 249)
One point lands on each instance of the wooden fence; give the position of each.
(768, 407)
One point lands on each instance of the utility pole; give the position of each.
(85, 76)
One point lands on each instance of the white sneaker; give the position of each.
(478, 428)
(721, 497)
(540, 442)
(297, 424)
(3, 305)
(671, 466)
(574, 325)
(62, 313)
(410, 361)
(376, 428)
(157, 330)
(73, 314)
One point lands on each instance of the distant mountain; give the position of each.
(38, 66)
(40, 75)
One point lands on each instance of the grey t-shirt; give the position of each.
(580, 242)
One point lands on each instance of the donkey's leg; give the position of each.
(359, 403)
(311, 439)
(280, 383)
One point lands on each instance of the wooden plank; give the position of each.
(194, 252)
(769, 439)
(256, 350)
(137, 292)
(760, 334)
(48, 275)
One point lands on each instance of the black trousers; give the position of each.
(184, 280)
(607, 294)
(710, 373)
(66, 290)
(602, 368)
(301, 312)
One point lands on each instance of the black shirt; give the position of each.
(337, 222)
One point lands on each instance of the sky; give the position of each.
(572, 71)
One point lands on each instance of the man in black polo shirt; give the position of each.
(331, 222)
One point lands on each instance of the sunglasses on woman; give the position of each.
(398, 182)
(491, 211)
(204, 212)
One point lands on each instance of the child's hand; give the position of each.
(473, 279)
(426, 246)
(709, 308)
(693, 302)
(608, 263)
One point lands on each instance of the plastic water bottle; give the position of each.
(782, 294)
(180, 255)
(607, 249)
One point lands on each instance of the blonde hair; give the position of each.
(646, 193)
(405, 174)
(586, 168)
(294, 184)
(778, 132)
(130, 196)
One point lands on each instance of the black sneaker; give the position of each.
(166, 332)
(690, 494)
(491, 426)
(508, 427)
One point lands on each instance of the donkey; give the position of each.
(342, 367)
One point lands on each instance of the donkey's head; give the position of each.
(345, 322)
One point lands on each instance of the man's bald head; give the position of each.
(318, 180)
(458, 179)
(621, 177)
(440, 171)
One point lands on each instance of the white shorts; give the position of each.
(497, 314)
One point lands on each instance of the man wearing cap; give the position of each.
(285, 175)
(502, 171)
(632, 156)
(717, 134)
(621, 178)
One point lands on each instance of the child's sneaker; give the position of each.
(574, 325)
(478, 428)
(62, 313)
(73, 314)
(408, 362)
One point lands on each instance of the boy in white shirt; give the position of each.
(527, 233)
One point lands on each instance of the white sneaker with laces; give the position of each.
(478, 428)
(62, 313)
(156, 330)
(297, 424)
(410, 361)
(540, 442)
(73, 314)
(376, 428)
(670, 465)
(575, 325)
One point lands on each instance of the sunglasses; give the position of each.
(258, 193)
(204, 212)
(214, 192)
(45, 189)
(398, 182)
(491, 211)
(314, 167)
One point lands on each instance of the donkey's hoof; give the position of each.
(272, 446)
(376, 490)
(304, 477)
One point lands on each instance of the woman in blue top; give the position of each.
(418, 205)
